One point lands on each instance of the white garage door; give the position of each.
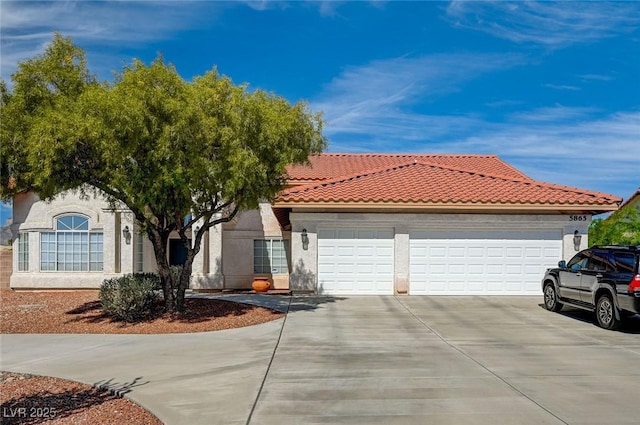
(460, 262)
(355, 261)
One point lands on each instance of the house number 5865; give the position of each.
(577, 218)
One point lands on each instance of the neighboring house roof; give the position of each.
(331, 165)
(633, 199)
(482, 182)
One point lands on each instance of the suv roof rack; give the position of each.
(628, 247)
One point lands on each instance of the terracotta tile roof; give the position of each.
(331, 165)
(429, 183)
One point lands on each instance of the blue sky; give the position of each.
(553, 88)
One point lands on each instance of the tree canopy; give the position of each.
(620, 228)
(164, 147)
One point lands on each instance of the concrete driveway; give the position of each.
(366, 360)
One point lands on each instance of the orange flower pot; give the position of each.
(261, 284)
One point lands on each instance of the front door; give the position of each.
(177, 252)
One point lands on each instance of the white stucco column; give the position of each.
(401, 259)
(304, 257)
(208, 275)
(575, 228)
(110, 238)
(127, 259)
(198, 266)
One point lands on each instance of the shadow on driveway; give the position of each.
(630, 325)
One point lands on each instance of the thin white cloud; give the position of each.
(326, 8)
(553, 114)
(376, 99)
(26, 27)
(561, 87)
(595, 77)
(570, 146)
(552, 24)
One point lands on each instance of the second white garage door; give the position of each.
(461, 262)
(355, 261)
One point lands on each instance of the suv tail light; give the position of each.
(634, 285)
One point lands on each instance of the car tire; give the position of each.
(606, 313)
(551, 302)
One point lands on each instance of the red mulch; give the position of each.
(80, 312)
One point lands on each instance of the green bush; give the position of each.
(129, 297)
(157, 285)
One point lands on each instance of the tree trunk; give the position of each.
(159, 242)
(185, 277)
(187, 268)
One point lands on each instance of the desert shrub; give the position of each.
(129, 297)
(157, 284)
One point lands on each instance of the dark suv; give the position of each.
(602, 279)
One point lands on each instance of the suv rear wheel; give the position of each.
(606, 313)
(551, 302)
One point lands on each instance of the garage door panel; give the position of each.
(476, 268)
(495, 252)
(501, 261)
(475, 286)
(512, 252)
(355, 261)
(385, 252)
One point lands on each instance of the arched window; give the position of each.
(71, 247)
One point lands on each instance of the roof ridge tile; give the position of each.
(525, 181)
(344, 178)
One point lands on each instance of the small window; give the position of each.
(96, 261)
(270, 256)
(139, 253)
(72, 222)
(23, 252)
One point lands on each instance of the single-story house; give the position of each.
(347, 224)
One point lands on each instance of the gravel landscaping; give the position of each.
(31, 399)
(80, 312)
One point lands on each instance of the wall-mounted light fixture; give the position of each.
(127, 235)
(577, 238)
(305, 239)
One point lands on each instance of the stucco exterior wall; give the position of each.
(33, 216)
(226, 257)
(237, 247)
(210, 270)
(304, 273)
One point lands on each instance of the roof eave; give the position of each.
(438, 206)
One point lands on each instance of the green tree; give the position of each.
(620, 228)
(165, 148)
